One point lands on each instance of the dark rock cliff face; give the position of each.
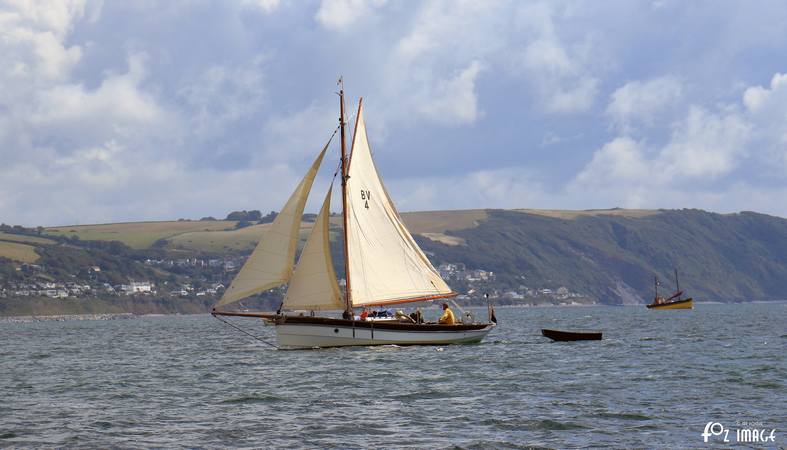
(732, 257)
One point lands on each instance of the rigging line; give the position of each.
(337, 171)
(334, 133)
(246, 332)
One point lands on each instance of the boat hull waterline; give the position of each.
(298, 332)
(680, 304)
(301, 336)
(302, 332)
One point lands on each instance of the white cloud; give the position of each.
(559, 72)
(267, 6)
(339, 15)
(571, 98)
(32, 41)
(703, 146)
(513, 187)
(706, 145)
(643, 102)
(454, 101)
(622, 160)
(767, 108)
(117, 99)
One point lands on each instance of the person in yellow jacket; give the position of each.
(448, 316)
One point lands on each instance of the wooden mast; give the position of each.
(655, 288)
(677, 284)
(348, 310)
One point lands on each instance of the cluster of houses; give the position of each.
(74, 289)
(45, 289)
(561, 293)
(227, 264)
(58, 289)
(458, 271)
(481, 282)
(187, 290)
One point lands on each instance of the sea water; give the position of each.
(657, 379)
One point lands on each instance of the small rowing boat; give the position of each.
(571, 335)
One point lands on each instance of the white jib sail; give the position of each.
(386, 265)
(313, 285)
(270, 264)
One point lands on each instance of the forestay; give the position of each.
(270, 265)
(313, 284)
(385, 264)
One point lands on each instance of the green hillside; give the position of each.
(735, 257)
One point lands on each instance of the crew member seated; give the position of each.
(448, 316)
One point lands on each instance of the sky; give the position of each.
(128, 111)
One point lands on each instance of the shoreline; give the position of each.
(68, 317)
(130, 316)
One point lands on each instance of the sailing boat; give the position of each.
(383, 265)
(676, 301)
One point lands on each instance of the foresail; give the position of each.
(313, 285)
(386, 265)
(270, 265)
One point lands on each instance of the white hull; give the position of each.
(299, 336)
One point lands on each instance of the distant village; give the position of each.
(88, 284)
(477, 282)
(209, 277)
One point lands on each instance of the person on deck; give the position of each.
(448, 316)
(364, 313)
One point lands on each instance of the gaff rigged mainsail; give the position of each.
(385, 264)
(313, 285)
(270, 265)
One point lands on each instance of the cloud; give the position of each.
(767, 108)
(158, 110)
(621, 160)
(117, 100)
(561, 75)
(32, 40)
(267, 6)
(706, 145)
(454, 100)
(513, 187)
(338, 15)
(222, 95)
(642, 103)
(702, 147)
(302, 134)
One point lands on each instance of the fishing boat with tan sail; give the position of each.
(383, 265)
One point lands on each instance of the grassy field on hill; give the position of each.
(138, 235)
(25, 239)
(18, 252)
(217, 241)
(221, 236)
(21, 248)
